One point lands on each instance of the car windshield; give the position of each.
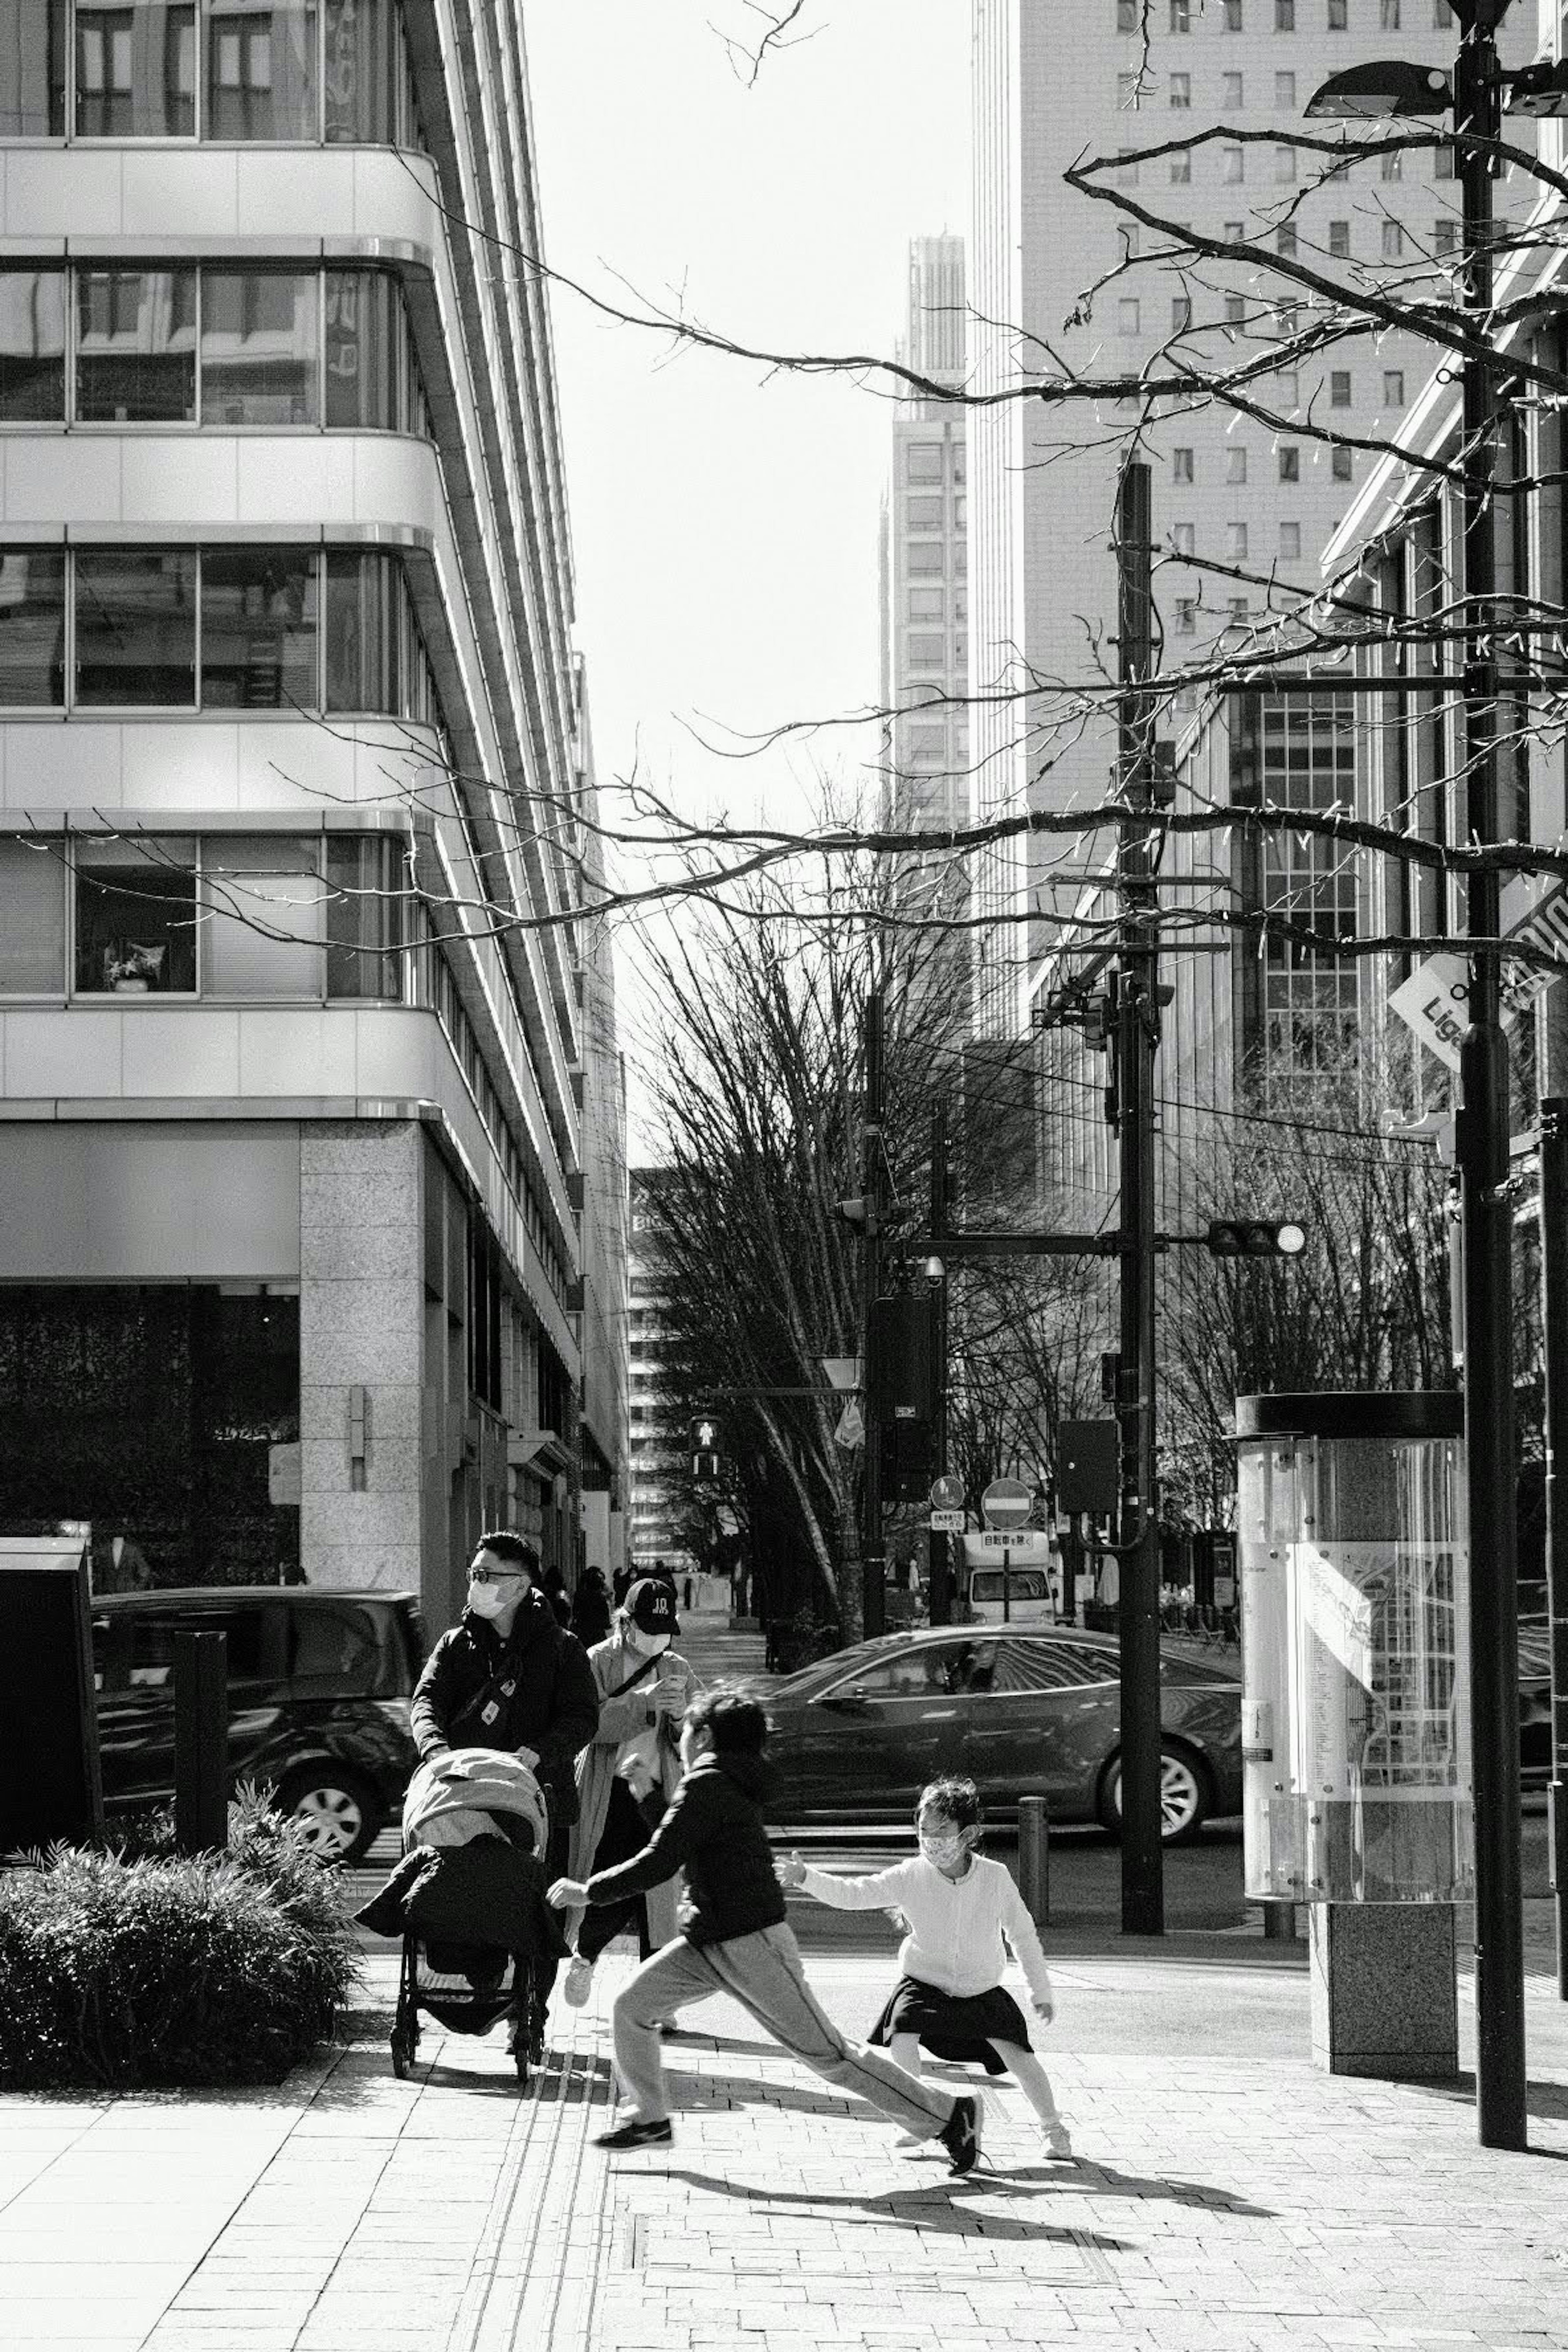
(843, 1663)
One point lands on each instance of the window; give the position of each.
(1231, 86)
(1181, 464)
(1236, 465)
(136, 916)
(928, 745)
(136, 346)
(1181, 15)
(1051, 1665)
(1284, 161)
(32, 345)
(1231, 18)
(259, 628)
(923, 514)
(1340, 388)
(925, 604)
(1285, 93)
(923, 461)
(367, 887)
(1180, 169)
(1443, 164)
(1126, 168)
(1393, 241)
(261, 70)
(1233, 165)
(1394, 387)
(1238, 611)
(136, 627)
(1180, 91)
(1338, 16)
(1284, 241)
(1236, 309)
(1127, 16)
(372, 379)
(259, 346)
(1284, 16)
(32, 628)
(1391, 163)
(1180, 313)
(924, 556)
(32, 917)
(32, 69)
(367, 99)
(1184, 538)
(1127, 93)
(1341, 464)
(927, 653)
(1445, 239)
(1186, 616)
(1442, 16)
(1290, 543)
(1339, 239)
(255, 887)
(1235, 542)
(1127, 315)
(364, 633)
(1290, 462)
(136, 69)
(1288, 387)
(1388, 15)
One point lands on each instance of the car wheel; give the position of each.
(333, 1807)
(1184, 1795)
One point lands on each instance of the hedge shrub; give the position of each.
(139, 1968)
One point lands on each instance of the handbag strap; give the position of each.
(632, 1681)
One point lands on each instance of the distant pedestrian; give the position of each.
(555, 1592)
(621, 1584)
(735, 1940)
(685, 1592)
(591, 1607)
(962, 1912)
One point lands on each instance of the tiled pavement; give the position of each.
(1228, 2197)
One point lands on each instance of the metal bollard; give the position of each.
(1280, 1922)
(201, 1742)
(1035, 1859)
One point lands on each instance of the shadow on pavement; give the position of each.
(931, 2210)
(1547, 2100)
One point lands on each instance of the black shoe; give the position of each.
(960, 2135)
(638, 2135)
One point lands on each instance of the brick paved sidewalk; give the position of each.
(1224, 2201)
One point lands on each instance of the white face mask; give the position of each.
(945, 1852)
(647, 1645)
(489, 1600)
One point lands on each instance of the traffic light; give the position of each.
(705, 1451)
(1256, 1237)
(901, 1363)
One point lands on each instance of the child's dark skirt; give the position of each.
(957, 2026)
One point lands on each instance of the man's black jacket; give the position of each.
(535, 1689)
(713, 1831)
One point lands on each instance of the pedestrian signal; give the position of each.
(705, 1451)
(1256, 1237)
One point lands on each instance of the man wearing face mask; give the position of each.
(509, 1675)
(625, 1779)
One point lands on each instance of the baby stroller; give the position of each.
(480, 1942)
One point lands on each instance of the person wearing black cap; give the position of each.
(630, 1771)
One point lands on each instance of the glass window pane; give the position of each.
(259, 346)
(136, 345)
(364, 319)
(136, 916)
(32, 346)
(32, 915)
(136, 627)
(363, 636)
(364, 69)
(265, 916)
(32, 628)
(32, 69)
(261, 70)
(259, 628)
(136, 69)
(366, 888)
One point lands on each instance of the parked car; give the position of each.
(1025, 1713)
(318, 1690)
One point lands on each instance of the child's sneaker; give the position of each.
(579, 1983)
(1059, 2140)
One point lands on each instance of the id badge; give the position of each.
(489, 1712)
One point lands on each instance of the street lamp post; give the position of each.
(1476, 97)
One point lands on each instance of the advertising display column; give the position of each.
(1356, 1724)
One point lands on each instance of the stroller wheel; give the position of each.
(400, 2058)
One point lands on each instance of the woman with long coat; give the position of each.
(629, 1772)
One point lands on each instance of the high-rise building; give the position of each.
(661, 1462)
(1061, 283)
(293, 1045)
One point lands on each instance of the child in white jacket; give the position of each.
(962, 1912)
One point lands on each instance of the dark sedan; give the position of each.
(1025, 1713)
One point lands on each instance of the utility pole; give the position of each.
(1136, 1045)
(1554, 1351)
(873, 1188)
(1482, 1152)
(941, 1545)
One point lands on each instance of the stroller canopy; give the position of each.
(474, 1780)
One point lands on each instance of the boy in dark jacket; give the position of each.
(735, 1939)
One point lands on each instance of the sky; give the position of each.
(724, 522)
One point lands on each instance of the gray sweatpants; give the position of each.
(763, 1971)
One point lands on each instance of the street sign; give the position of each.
(1006, 1502)
(1023, 1547)
(1435, 1002)
(946, 1523)
(851, 1429)
(947, 1494)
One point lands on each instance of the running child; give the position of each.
(962, 1912)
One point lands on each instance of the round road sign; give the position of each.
(1006, 1502)
(947, 1494)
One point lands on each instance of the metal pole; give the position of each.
(1035, 1859)
(201, 1742)
(1483, 1140)
(1137, 1043)
(1554, 1331)
(873, 1562)
(941, 1545)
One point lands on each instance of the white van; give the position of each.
(1024, 1594)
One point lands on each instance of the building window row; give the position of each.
(216, 346)
(926, 461)
(229, 70)
(1288, 16)
(224, 915)
(210, 629)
